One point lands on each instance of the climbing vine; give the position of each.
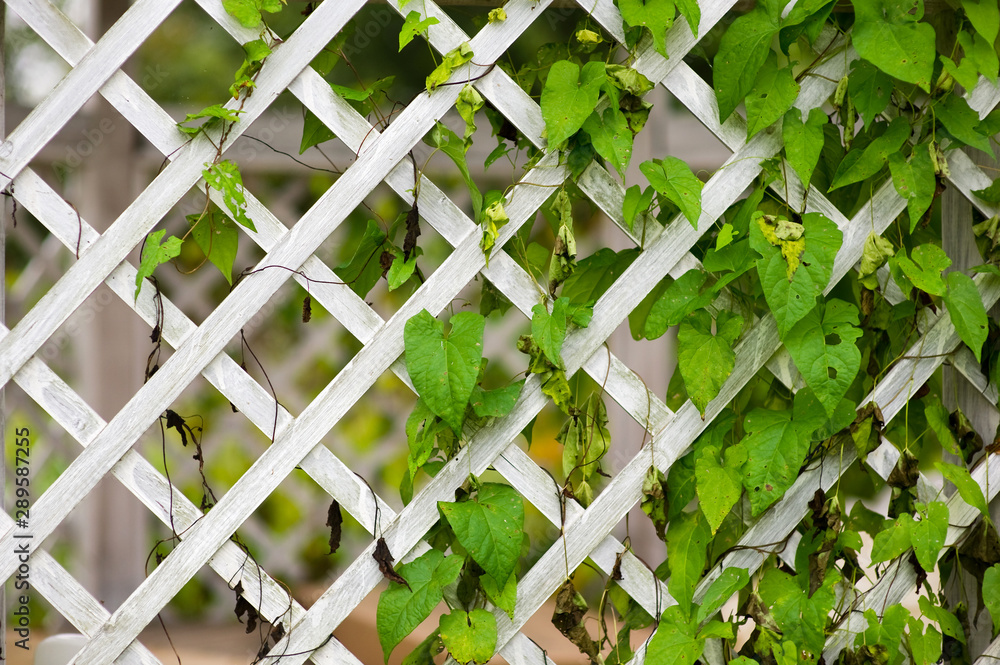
(894, 116)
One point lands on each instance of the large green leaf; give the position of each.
(596, 273)
(802, 617)
(719, 484)
(965, 308)
(925, 646)
(890, 543)
(887, 35)
(924, 268)
(946, 618)
(569, 97)
(773, 93)
(675, 640)
(927, 534)
(984, 16)
(688, 536)
(962, 122)
(862, 163)
(793, 282)
(674, 179)
(823, 346)
(490, 526)
(400, 610)
(443, 366)
(968, 489)
(742, 52)
(914, 181)
(803, 141)
(704, 359)
(611, 136)
(991, 594)
(676, 302)
(776, 445)
(549, 329)
(218, 238)
(469, 636)
(725, 585)
(655, 15)
(870, 90)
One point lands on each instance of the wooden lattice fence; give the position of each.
(298, 440)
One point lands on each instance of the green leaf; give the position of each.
(965, 308)
(794, 274)
(776, 445)
(217, 237)
(596, 273)
(824, 347)
(413, 25)
(945, 618)
(225, 177)
(887, 35)
(984, 16)
(742, 52)
(704, 359)
(687, 539)
(803, 141)
(719, 486)
(990, 194)
(211, 113)
(363, 271)
(925, 268)
(773, 93)
(674, 179)
(569, 97)
(870, 90)
(401, 610)
(961, 122)
(676, 302)
(877, 251)
(890, 543)
(153, 254)
(402, 268)
(314, 132)
(928, 533)
(611, 136)
(495, 403)
(494, 219)
(937, 419)
(982, 53)
(444, 367)
(490, 526)
(691, 12)
(968, 489)
(452, 60)
(655, 15)
(729, 582)
(914, 181)
(450, 144)
(675, 640)
(424, 653)
(549, 329)
(469, 636)
(862, 163)
(991, 594)
(247, 12)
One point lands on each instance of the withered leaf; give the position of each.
(243, 606)
(334, 519)
(174, 421)
(412, 232)
(905, 473)
(307, 311)
(568, 617)
(384, 558)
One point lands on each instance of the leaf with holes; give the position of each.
(791, 292)
(803, 141)
(413, 25)
(887, 35)
(217, 237)
(490, 526)
(569, 97)
(443, 366)
(225, 177)
(927, 534)
(153, 254)
(657, 16)
(967, 313)
(400, 610)
(824, 347)
(469, 636)
(674, 179)
(706, 359)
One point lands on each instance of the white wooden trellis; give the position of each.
(299, 440)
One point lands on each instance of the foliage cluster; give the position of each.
(894, 116)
